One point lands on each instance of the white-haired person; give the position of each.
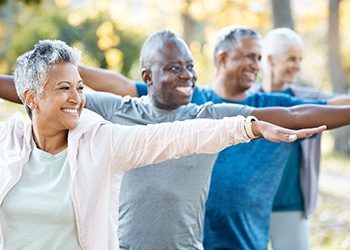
(297, 193)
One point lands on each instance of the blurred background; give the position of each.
(110, 34)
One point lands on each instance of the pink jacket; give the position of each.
(100, 152)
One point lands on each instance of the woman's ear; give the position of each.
(270, 60)
(146, 76)
(29, 99)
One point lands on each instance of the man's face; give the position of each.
(172, 75)
(243, 63)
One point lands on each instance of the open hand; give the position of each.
(276, 133)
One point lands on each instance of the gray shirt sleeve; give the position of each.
(218, 111)
(104, 104)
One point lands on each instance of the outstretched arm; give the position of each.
(305, 116)
(275, 133)
(8, 90)
(107, 81)
(164, 141)
(339, 100)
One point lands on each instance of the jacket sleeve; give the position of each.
(138, 145)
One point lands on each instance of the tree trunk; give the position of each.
(282, 14)
(336, 72)
(189, 25)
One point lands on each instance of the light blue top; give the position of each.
(38, 213)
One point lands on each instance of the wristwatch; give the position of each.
(248, 126)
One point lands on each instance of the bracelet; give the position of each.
(248, 126)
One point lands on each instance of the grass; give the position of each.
(330, 222)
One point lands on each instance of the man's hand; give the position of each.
(276, 133)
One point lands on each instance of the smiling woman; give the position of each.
(296, 196)
(58, 107)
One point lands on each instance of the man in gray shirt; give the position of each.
(164, 209)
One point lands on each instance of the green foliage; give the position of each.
(26, 2)
(56, 26)
(130, 43)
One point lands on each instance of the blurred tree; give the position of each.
(336, 71)
(282, 14)
(120, 52)
(201, 20)
(28, 2)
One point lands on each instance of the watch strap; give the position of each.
(248, 126)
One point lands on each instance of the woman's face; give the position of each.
(62, 100)
(286, 66)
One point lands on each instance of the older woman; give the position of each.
(297, 193)
(60, 174)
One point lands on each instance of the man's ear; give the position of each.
(221, 58)
(29, 99)
(146, 76)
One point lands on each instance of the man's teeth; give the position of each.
(250, 75)
(184, 89)
(71, 111)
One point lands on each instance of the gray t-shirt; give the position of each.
(162, 205)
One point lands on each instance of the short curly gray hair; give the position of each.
(34, 68)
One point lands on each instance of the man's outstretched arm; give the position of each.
(107, 81)
(7, 89)
(276, 133)
(339, 100)
(305, 116)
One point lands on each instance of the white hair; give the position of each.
(278, 41)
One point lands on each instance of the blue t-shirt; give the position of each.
(244, 181)
(289, 196)
(142, 88)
